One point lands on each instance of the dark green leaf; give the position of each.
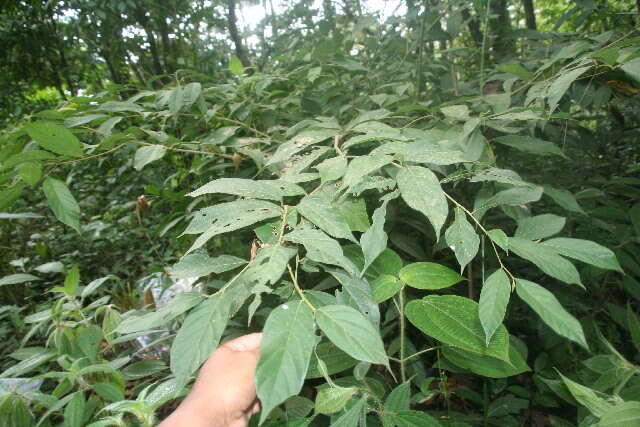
(55, 138)
(62, 202)
(551, 311)
(455, 321)
(429, 275)
(494, 298)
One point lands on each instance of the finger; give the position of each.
(248, 342)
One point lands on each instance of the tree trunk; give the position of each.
(241, 52)
(142, 18)
(474, 26)
(501, 30)
(529, 14)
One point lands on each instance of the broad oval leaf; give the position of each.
(55, 138)
(487, 366)
(197, 265)
(333, 399)
(454, 320)
(462, 239)
(494, 298)
(257, 189)
(421, 190)
(546, 259)
(411, 418)
(287, 344)
(350, 331)
(429, 275)
(148, 154)
(385, 287)
(623, 415)
(595, 402)
(13, 279)
(585, 251)
(319, 211)
(539, 226)
(551, 311)
(62, 203)
(198, 337)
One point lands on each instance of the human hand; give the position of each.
(224, 394)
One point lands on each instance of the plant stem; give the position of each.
(403, 368)
(624, 381)
(484, 42)
(484, 230)
(294, 279)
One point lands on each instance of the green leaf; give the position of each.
(271, 262)
(359, 292)
(321, 248)
(485, 365)
(30, 172)
(74, 412)
(29, 364)
(332, 169)
(72, 280)
(197, 265)
(546, 259)
(354, 213)
(176, 100)
(462, 239)
(414, 419)
(62, 202)
(181, 303)
(333, 399)
(585, 251)
(235, 66)
(625, 414)
(89, 342)
(55, 138)
(198, 337)
(385, 287)
(320, 212)
(564, 199)
(498, 237)
(361, 166)
(530, 145)
(455, 321)
(148, 154)
(421, 190)
(429, 275)
(374, 240)
(109, 392)
(399, 399)
(458, 112)
(587, 397)
(226, 217)
(494, 298)
(13, 279)
(515, 196)
(633, 324)
(352, 416)
(287, 345)
(255, 189)
(539, 226)
(352, 332)
(335, 360)
(561, 85)
(551, 311)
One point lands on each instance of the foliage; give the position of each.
(423, 237)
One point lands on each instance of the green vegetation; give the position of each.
(440, 205)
